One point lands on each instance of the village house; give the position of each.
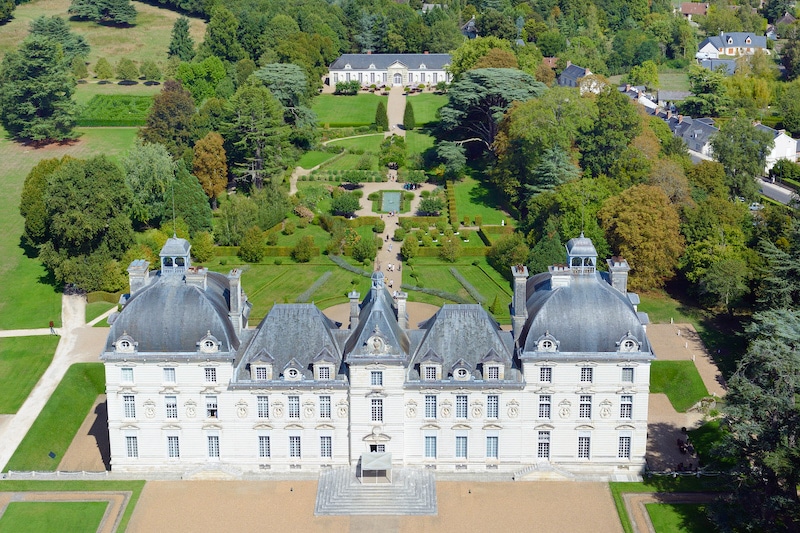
(731, 44)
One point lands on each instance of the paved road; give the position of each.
(777, 192)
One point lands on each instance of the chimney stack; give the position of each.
(560, 276)
(618, 269)
(237, 300)
(355, 297)
(138, 275)
(402, 315)
(196, 276)
(519, 307)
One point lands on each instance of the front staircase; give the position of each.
(412, 492)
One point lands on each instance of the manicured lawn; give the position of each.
(680, 381)
(350, 162)
(661, 484)
(368, 143)
(490, 285)
(23, 360)
(96, 309)
(148, 39)
(60, 419)
(86, 91)
(115, 110)
(22, 277)
(134, 487)
(417, 143)
(679, 518)
(45, 517)
(704, 438)
(662, 309)
(673, 80)
(312, 159)
(341, 111)
(474, 198)
(426, 106)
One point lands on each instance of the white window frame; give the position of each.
(173, 447)
(543, 445)
(545, 403)
(264, 450)
(493, 373)
(492, 447)
(587, 374)
(376, 378)
(546, 374)
(627, 374)
(295, 447)
(213, 446)
(430, 372)
(324, 373)
(261, 373)
(376, 410)
(294, 406)
(325, 406)
(132, 446)
(493, 406)
(624, 447)
(462, 406)
(262, 406)
(430, 446)
(171, 406)
(430, 406)
(326, 446)
(462, 447)
(584, 445)
(585, 406)
(126, 374)
(626, 406)
(212, 407)
(129, 406)
(169, 375)
(210, 374)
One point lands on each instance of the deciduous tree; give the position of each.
(36, 98)
(149, 173)
(610, 134)
(127, 70)
(742, 149)
(210, 165)
(643, 227)
(32, 204)
(508, 250)
(345, 204)
(170, 119)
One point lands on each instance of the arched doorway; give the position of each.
(398, 79)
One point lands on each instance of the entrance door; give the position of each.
(398, 79)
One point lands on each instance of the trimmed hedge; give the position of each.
(226, 251)
(103, 296)
(115, 110)
(420, 222)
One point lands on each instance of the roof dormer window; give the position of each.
(547, 343)
(430, 372)
(262, 372)
(628, 343)
(422, 66)
(372, 66)
(125, 344)
(730, 40)
(461, 370)
(208, 344)
(748, 40)
(493, 372)
(347, 66)
(323, 372)
(292, 374)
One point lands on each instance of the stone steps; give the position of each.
(412, 492)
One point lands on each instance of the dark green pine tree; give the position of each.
(191, 202)
(409, 122)
(106, 11)
(56, 28)
(221, 37)
(381, 119)
(6, 9)
(554, 169)
(181, 45)
(36, 101)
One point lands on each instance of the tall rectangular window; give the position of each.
(324, 372)
(546, 374)
(461, 406)
(261, 373)
(213, 446)
(493, 373)
(211, 407)
(173, 447)
(262, 406)
(324, 406)
(377, 410)
(129, 406)
(169, 375)
(626, 407)
(263, 446)
(132, 446)
(587, 374)
(376, 378)
(430, 447)
(326, 446)
(584, 445)
(294, 407)
(430, 406)
(491, 447)
(585, 407)
(127, 375)
(624, 448)
(492, 406)
(543, 450)
(430, 373)
(171, 404)
(211, 375)
(544, 406)
(461, 447)
(294, 447)
(627, 375)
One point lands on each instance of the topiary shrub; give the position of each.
(379, 226)
(399, 234)
(478, 220)
(289, 227)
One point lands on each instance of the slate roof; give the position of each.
(169, 316)
(383, 61)
(587, 316)
(696, 133)
(570, 76)
(581, 246)
(714, 64)
(787, 18)
(175, 247)
(673, 96)
(775, 133)
(738, 39)
(299, 332)
(462, 332)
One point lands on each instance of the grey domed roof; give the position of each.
(581, 246)
(170, 316)
(587, 316)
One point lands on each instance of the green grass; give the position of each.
(679, 518)
(704, 438)
(60, 419)
(115, 110)
(661, 484)
(680, 381)
(45, 517)
(134, 487)
(474, 198)
(313, 158)
(22, 277)
(368, 143)
(426, 106)
(417, 143)
(148, 39)
(663, 309)
(342, 111)
(86, 91)
(23, 360)
(673, 80)
(96, 309)
(349, 162)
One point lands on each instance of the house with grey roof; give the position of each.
(195, 390)
(726, 66)
(736, 43)
(391, 69)
(784, 146)
(571, 76)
